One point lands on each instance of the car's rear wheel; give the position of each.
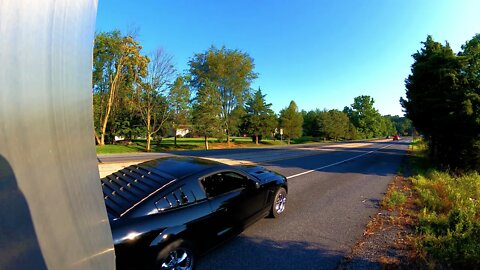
(279, 203)
(178, 255)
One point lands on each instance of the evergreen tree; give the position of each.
(436, 102)
(259, 119)
(291, 121)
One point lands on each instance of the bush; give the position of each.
(396, 198)
(450, 222)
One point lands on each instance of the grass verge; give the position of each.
(448, 231)
(168, 144)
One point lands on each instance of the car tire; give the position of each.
(279, 203)
(177, 255)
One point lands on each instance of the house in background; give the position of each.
(181, 131)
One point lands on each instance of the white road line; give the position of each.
(336, 163)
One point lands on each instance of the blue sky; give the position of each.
(321, 54)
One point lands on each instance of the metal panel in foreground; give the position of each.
(51, 206)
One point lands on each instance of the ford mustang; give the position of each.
(165, 213)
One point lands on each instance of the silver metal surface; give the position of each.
(51, 205)
(280, 202)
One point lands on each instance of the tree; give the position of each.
(206, 111)
(291, 121)
(364, 116)
(334, 124)
(259, 119)
(387, 127)
(402, 125)
(471, 104)
(116, 62)
(311, 123)
(179, 99)
(435, 102)
(230, 73)
(152, 100)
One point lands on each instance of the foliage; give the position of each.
(366, 119)
(127, 124)
(179, 100)
(116, 64)
(449, 224)
(206, 113)
(396, 198)
(133, 96)
(333, 124)
(402, 125)
(291, 121)
(229, 72)
(444, 104)
(151, 102)
(259, 119)
(311, 123)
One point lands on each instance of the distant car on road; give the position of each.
(396, 137)
(164, 213)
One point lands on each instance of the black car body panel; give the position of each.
(204, 202)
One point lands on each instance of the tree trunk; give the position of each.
(206, 142)
(228, 137)
(149, 140)
(111, 99)
(149, 134)
(175, 137)
(256, 139)
(288, 140)
(97, 139)
(102, 139)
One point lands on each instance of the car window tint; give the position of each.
(176, 198)
(223, 182)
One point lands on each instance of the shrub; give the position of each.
(396, 198)
(450, 222)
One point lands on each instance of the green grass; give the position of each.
(117, 149)
(167, 144)
(449, 223)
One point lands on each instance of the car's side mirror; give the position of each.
(253, 184)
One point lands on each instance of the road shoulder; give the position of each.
(388, 241)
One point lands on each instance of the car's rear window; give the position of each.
(126, 188)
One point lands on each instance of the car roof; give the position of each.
(125, 189)
(181, 167)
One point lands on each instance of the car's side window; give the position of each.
(176, 198)
(224, 182)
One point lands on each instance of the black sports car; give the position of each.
(165, 212)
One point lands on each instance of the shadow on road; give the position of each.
(259, 253)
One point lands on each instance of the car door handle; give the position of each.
(222, 209)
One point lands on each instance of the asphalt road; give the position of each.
(331, 197)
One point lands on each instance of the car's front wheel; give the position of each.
(279, 202)
(176, 256)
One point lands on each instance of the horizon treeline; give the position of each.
(137, 95)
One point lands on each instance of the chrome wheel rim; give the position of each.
(178, 259)
(280, 202)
